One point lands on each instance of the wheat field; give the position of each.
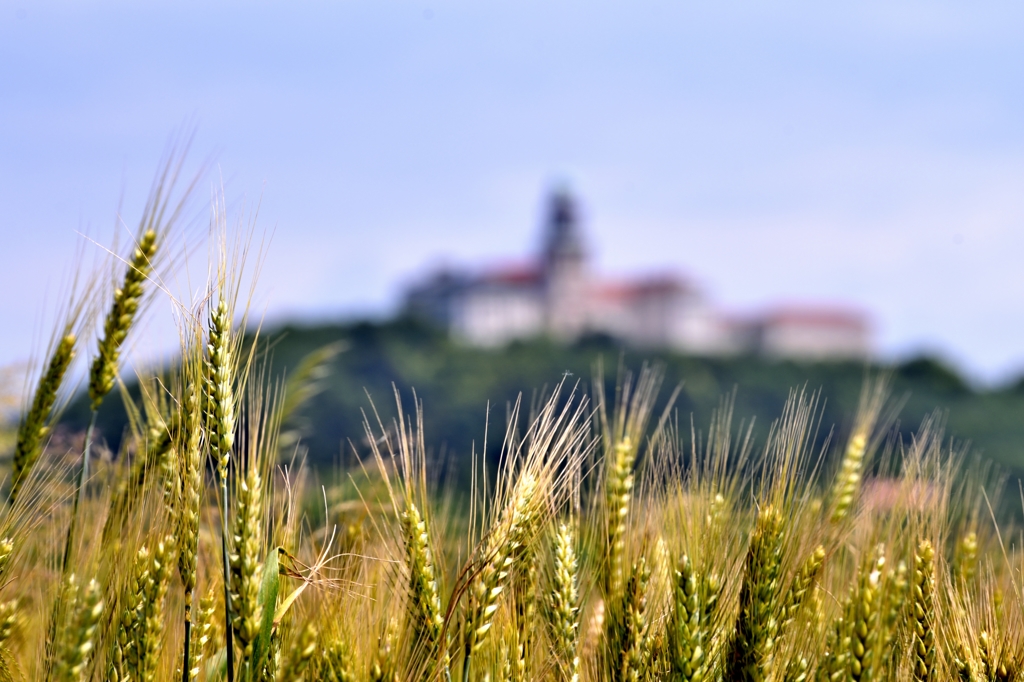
(607, 541)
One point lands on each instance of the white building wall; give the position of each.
(814, 341)
(492, 316)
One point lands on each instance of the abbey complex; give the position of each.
(559, 294)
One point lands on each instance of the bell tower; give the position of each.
(565, 273)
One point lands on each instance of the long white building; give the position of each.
(558, 294)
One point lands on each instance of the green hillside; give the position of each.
(456, 383)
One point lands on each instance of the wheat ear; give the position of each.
(754, 638)
(119, 319)
(201, 637)
(149, 625)
(244, 561)
(628, 640)
(850, 471)
(895, 595)
(219, 416)
(923, 615)
(967, 558)
(426, 603)
(79, 639)
(563, 608)
(335, 664)
(618, 494)
(34, 426)
(686, 648)
(802, 583)
(513, 530)
(865, 619)
(103, 372)
(382, 669)
(190, 490)
(299, 656)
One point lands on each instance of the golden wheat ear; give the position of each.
(923, 613)
(563, 608)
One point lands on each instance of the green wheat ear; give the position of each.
(300, 655)
(923, 614)
(630, 653)
(685, 634)
(851, 470)
(33, 428)
(967, 558)
(619, 493)
(119, 319)
(426, 603)
(803, 581)
(865, 619)
(503, 548)
(753, 641)
(79, 640)
(335, 662)
(244, 560)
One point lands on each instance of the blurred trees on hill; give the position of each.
(457, 383)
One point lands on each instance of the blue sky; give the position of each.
(870, 153)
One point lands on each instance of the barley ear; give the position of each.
(923, 614)
(753, 641)
(34, 425)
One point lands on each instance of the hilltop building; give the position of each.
(558, 294)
